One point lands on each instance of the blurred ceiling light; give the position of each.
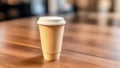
(37, 7)
(53, 7)
(117, 5)
(104, 5)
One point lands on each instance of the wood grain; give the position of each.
(84, 46)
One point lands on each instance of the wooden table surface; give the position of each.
(84, 46)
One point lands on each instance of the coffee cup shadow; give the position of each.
(38, 60)
(32, 61)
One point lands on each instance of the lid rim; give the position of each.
(52, 20)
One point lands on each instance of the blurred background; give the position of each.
(87, 11)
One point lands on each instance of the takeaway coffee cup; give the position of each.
(51, 34)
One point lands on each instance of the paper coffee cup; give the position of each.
(51, 34)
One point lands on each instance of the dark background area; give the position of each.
(86, 10)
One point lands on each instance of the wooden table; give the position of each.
(84, 46)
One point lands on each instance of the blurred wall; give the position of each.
(10, 9)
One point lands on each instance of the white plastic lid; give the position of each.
(51, 20)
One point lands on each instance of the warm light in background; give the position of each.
(83, 10)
